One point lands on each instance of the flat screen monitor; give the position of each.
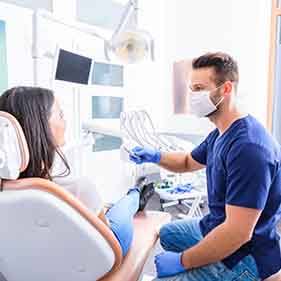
(72, 67)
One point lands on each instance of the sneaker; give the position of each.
(145, 194)
(140, 183)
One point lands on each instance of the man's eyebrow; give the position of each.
(197, 85)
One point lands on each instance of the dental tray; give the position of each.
(178, 192)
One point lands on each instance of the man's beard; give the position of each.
(216, 99)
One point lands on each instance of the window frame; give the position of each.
(275, 13)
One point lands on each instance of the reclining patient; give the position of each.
(43, 124)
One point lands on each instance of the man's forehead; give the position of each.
(202, 76)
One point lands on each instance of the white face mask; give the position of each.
(200, 103)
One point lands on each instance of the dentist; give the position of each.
(238, 239)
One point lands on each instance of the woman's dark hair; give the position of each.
(31, 106)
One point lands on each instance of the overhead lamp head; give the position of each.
(130, 47)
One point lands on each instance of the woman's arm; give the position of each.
(103, 217)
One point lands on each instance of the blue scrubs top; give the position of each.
(243, 167)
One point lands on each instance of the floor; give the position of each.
(154, 204)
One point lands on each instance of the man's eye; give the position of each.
(197, 89)
(61, 114)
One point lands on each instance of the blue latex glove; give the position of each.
(141, 155)
(168, 264)
(180, 189)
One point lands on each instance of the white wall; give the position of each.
(182, 29)
(32, 4)
(144, 85)
(105, 13)
(76, 102)
(191, 28)
(19, 44)
(238, 27)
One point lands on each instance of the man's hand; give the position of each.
(141, 155)
(168, 264)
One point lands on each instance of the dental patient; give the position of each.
(42, 121)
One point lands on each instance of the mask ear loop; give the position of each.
(219, 102)
(222, 98)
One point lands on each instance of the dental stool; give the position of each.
(47, 234)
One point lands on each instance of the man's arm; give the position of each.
(249, 169)
(223, 240)
(179, 162)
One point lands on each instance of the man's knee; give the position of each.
(166, 236)
(179, 235)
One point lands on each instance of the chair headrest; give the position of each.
(14, 154)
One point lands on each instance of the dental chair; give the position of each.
(47, 234)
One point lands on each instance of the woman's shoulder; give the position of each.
(74, 182)
(84, 189)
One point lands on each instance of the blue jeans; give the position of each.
(120, 217)
(180, 235)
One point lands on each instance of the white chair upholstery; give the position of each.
(43, 238)
(47, 234)
(14, 154)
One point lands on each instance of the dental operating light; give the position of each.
(129, 45)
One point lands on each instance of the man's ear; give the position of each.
(228, 87)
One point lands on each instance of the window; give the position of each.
(276, 126)
(105, 142)
(107, 74)
(3, 58)
(106, 107)
(274, 96)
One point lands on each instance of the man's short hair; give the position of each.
(224, 66)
